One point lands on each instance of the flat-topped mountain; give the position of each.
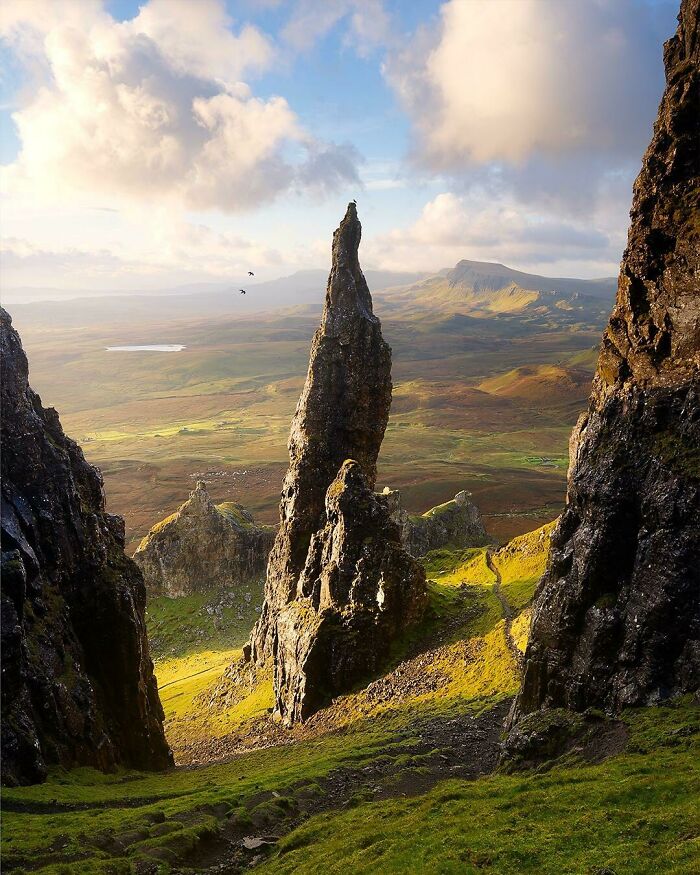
(203, 547)
(486, 290)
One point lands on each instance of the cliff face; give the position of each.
(617, 616)
(456, 523)
(342, 414)
(203, 547)
(320, 577)
(359, 590)
(77, 681)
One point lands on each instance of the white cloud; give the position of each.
(368, 23)
(451, 227)
(151, 110)
(507, 80)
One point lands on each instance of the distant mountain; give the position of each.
(305, 288)
(491, 276)
(481, 289)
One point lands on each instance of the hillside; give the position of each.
(219, 409)
(387, 774)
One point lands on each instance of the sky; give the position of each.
(155, 144)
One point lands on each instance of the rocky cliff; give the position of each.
(77, 681)
(456, 523)
(617, 616)
(203, 547)
(358, 591)
(341, 415)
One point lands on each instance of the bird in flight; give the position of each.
(250, 273)
(242, 291)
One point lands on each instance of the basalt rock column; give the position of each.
(617, 616)
(77, 680)
(342, 414)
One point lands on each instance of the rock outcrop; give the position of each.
(359, 590)
(341, 415)
(456, 523)
(617, 616)
(203, 547)
(77, 680)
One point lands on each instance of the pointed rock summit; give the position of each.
(341, 415)
(617, 616)
(203, 547)
(77, 680)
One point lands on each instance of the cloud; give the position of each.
(170, 253)
(506, 80)
(146, 111)
(451, 227)
(368, 23)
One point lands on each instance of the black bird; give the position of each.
(242, 291)
(250, 273)
(354, 201)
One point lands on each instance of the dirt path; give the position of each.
(506, 610)
(462, 746)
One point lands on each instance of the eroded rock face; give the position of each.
(77, 680)
(358, 591)
(456, 523)
(341, 415)
(617, 615)
(203, 547)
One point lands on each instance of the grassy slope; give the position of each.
(618, 816)
(635, 813)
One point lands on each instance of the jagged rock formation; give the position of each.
(342, 414)
(456, 523)
(359, 590)
(617, 617)
(203, 547)
(77, 681)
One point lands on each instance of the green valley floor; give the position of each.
(400, 775)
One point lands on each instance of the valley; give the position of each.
(482, 401)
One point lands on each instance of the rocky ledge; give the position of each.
(204, 547)
(456, 524)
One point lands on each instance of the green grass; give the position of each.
(224, 404)
(634, 814)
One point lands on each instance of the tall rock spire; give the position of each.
(617, 616)
(339, 585)
(342, 414)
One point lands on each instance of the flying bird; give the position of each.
(242, 291)
(250, 273)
